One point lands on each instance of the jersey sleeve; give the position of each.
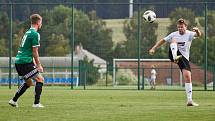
(168, 38)
(36, 40)
(192, 34)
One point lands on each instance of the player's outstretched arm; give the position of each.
(198, 32)
(36, 58)
(157, 45)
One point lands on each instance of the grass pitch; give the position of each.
(63, 104)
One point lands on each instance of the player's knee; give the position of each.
(29, 82)
(187, 77)
(39, 79)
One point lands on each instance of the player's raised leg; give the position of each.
(174, 49)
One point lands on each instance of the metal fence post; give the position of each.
(72, 47)
(10, 43)
(80, 71)
(85, 77)
(138, 44)
(205, 54)
(214, 78)
(143, 79)
(106, 78)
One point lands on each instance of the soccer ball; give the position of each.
(149, 16)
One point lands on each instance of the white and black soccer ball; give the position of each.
(149, 16)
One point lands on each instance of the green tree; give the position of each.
(211, 52)
(92, 74)
(148, 37)
(4, 26)
(211, 23)
(4, 36)
(196, 52)
(94, 35)
(55, 31)
(184, 13)
(90, 31)
(211, 36)
(3, 47)
(59, 45)
(16, 42)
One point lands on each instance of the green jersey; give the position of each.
(25, 52)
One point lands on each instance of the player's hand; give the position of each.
(40, 68)
(152, 51)
(195, 29)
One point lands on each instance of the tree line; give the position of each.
(109, 11)
(91, 31)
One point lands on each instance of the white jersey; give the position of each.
(183, 41)
(153, 74)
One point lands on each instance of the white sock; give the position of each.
(188, 88)
(174, 49)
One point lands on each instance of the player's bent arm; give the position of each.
(198, 32)
(36, 56)
(34, 61)
(158, 44)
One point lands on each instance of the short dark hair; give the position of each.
(35, 18)
(181, 21)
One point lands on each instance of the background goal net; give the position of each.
(125, 72)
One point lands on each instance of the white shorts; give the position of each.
(153, 79)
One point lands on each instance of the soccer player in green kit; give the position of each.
(27, 62)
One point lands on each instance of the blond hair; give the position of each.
(35, 18)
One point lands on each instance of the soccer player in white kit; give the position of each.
(153, 77)
(180, 42)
